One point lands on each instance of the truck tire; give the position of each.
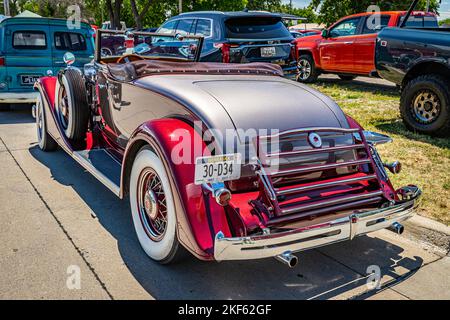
(307, 71)
(153, 209)
(346, 78)
(425, 105)
(72, 106)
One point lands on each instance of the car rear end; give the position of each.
(255, 37)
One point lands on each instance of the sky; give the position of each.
(444, 10)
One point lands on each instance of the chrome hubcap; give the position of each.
(427, 107)
(39, 119)
(64, 109)
(152, 205)
(304, 69)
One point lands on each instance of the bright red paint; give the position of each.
(351, 54)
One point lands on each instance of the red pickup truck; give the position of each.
(347, 48)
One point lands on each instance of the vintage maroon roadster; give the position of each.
(230, 162)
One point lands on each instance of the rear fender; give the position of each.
(199, 217)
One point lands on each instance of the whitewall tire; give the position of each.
(153, 208)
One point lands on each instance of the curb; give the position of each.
(426, 231)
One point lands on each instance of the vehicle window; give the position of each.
(375, 23)
(345, 28)
(430, 22)
(29, 40)
(185, 27)
(70, 41)
(420, 22)
(203, 28)
(256, 28)
(168, 27)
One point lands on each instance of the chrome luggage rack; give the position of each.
(356, 190)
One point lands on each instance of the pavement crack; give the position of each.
(66, 233)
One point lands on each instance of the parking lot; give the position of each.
(56, 217)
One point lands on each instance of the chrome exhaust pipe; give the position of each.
(396, 228)
(288, 259)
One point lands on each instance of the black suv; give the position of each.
(238, 37)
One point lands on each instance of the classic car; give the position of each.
(215, 160)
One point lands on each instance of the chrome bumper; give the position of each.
(276, 244)
(23, 97)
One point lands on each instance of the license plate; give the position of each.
(268, 52)
(28, 80)
(218, 169)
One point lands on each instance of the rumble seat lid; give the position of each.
(138, 69)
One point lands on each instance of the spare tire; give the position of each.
(72, 106)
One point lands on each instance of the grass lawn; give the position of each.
(426, 160)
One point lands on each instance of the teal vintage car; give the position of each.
(34, 47)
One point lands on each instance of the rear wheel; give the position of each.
(72, 105)
(153, 208)
(347, 78)
(46, 142)
(425, 105)
(307, 71)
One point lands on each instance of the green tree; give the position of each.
(332, 10)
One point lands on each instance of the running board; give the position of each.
(102, 166)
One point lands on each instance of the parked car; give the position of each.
(208, 162)
(419, 62)
(108, 26)
(237, 37)
(304, 33)
(34, 47)
(347, 48)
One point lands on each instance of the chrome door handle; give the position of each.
(348, 42)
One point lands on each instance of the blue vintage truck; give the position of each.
(34, 47)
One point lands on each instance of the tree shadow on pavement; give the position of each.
(319, 275)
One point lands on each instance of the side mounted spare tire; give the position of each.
(425, 105)
(72, 106)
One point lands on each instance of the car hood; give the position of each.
(250, 102)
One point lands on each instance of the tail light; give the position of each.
(2, 61)
(225, 47)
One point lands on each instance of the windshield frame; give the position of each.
(100, 32)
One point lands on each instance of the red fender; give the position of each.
(200, 218)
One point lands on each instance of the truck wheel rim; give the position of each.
(304, 69)
(152, 204)
(426, 107)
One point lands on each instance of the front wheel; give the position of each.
(307, 71)
(425, 105)
(153, 208)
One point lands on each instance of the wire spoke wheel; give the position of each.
(152, 205)
(426, 107)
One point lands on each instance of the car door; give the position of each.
(364, 44)
(78, 42)
(337, 51)
(28, 55)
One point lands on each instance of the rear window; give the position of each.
(256, 28)
(34, 40)
(421, 21)
(203, 28)
(70, 41)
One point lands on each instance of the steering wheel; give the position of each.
(129, 58)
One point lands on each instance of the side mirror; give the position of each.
(325, 33)
(69, 58)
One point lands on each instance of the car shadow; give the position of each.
(318, 275)
(397, 127)
(371, 85)
(19, 114)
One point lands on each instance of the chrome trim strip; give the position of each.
(314, 151)
(324, 185)
(308, 130)
(296, 240)
(319, 168)
(334, 201)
